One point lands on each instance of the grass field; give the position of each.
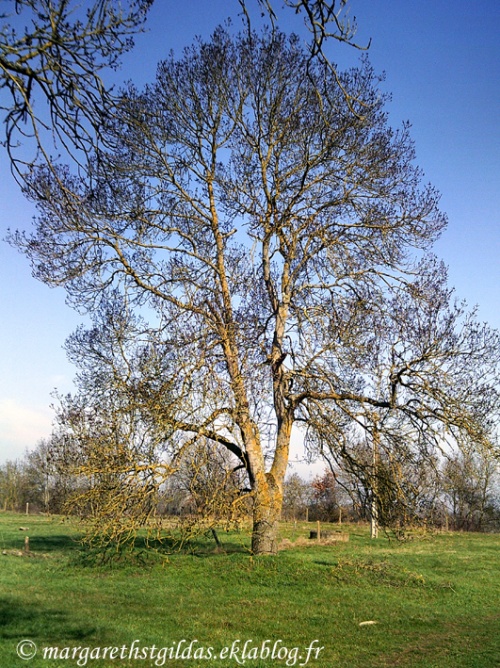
(435, 601)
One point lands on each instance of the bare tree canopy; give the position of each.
(325, 19)
(52, 53)
(276, 240)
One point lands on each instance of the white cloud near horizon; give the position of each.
(21, 428)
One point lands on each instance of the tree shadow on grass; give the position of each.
(42, 544)
(57, 543)
(19, 620)
(145, 551)
(203, 545)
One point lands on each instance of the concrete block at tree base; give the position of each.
(329, 536)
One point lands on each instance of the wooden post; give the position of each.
(27, 509)
(340, 514)
(307, 513)
(26, 544)
(319, 532)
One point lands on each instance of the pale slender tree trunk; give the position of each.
(374, 508)
(374, 519)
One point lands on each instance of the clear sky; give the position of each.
(442, 65)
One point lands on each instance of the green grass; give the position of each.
(436, 599)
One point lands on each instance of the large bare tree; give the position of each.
(271, 227)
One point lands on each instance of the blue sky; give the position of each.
(442, 65)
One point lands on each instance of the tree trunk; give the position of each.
(374, 519)
(266, 515)
(265, 532)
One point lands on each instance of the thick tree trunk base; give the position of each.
(268, 501)
(265, 537)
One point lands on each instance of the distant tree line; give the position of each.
(33, 480)
(461, 492)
